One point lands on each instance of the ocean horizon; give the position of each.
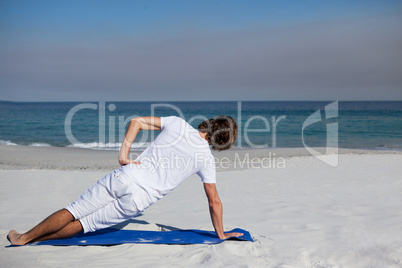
(262, 124)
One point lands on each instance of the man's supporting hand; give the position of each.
(215, 209)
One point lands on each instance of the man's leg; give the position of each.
(114, 213)
(52, 224)
(69, 230)
(102, 193)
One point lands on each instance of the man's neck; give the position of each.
(203, 135)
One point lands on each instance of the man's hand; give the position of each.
(227, 235)
(215, 209)
(124, 162)
(136, 124)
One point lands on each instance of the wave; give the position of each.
(390, 147)
(7, 143)
(108, 146)
(114, 146)
(40, 144)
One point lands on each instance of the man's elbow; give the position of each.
(136, 121)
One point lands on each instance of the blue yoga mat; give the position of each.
(112, 236)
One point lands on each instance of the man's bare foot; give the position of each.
(15, 238)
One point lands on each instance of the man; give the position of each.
(178, 152)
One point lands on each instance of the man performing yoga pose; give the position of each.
(178, 152)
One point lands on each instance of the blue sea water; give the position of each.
(100, 125)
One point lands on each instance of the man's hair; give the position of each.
(221, 132)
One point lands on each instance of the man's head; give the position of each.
(221, 132)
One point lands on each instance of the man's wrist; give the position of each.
(124, 161)
(127, 143)
(123, 155)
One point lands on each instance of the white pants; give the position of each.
(107, 202)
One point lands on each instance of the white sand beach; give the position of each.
(303, 214)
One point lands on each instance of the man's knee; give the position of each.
(67, 214)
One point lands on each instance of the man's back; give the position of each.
(176, 153)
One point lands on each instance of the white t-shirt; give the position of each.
(176, 153)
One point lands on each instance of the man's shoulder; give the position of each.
(167, 120)
(172, 118)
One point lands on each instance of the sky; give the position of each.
(200, 50)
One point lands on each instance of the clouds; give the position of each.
(334, 59)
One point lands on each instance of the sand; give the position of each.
(302, 213)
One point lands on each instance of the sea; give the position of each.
(262, 124)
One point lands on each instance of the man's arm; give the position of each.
(136, 124)
(216, 211)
